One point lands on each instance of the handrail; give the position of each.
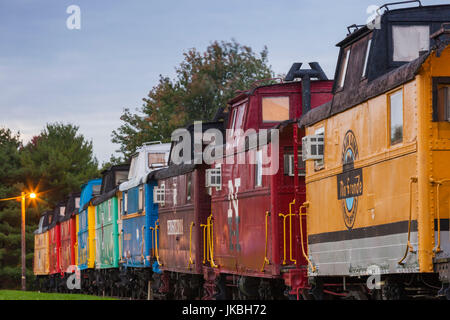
(284, 236)
(142, 245)
(284, 216)
(266, 260)
(301, 214)
(190, 245)
(205, 252)
(395, 3)
(153, 241)
(211, 241)
(120, 244)
(408, 244)
(290, 231)
(156, 242)
(438, 218)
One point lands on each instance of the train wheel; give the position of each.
(393, 290)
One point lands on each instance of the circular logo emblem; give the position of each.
(350, 181)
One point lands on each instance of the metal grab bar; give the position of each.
(205, 252)
(156, 242)
(266, 260)
(190, 245)
(284, 216)
(409, 247)
(210, 233)
(438, 217)
(301, 214)
(142, 245)
(153, 241)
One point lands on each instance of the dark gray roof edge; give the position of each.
(381, 85)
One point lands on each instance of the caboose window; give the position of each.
(156, 160)
(408, 41)
(188, 188)
(258, 169)
(125, 202)
(275, 109)
(343, 70)
(121, 176)
(443, 102)
(396, 117)
(141, 199)
(366, 59)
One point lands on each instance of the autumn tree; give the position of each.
(204, 82)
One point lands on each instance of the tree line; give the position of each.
(60, 159)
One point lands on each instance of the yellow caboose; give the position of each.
(378, 175)
(41, 256)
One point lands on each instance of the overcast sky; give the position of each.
(87, 77)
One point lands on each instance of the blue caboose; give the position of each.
(139, 215)
(86, 232)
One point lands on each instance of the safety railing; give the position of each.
(191, 262)
(409, 247)
(208, 242)
(266, 259)
(300, 216)
(285, 216)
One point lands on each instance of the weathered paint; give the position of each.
(68, 239)
(136, 236)
(106, 234)
(179, 250)
(239, 208)
(54, 240)
(86, 227)
(41, 256)
(387, 171)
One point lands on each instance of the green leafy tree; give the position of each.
(204, 82)
(10, 214)
(59, 161)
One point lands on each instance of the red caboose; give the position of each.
(68, 235)
(54, 241)
(255, 244)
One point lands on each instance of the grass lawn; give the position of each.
(30, 295)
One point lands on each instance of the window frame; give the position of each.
(141, 198)
(366, 59)
(320, 164)
(156, 164)
(437, 81)
(189, 187)
(125, 202)
(268, 96)
(390, 41)
(389, 122)
(346, 53)
(258, 180)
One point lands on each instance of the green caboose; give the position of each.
(107, 206)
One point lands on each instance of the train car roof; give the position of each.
(72, 206)
(43, 222)
(110, 182)
(183, 168)
(139, 168)
(372, 61)
(89, 190)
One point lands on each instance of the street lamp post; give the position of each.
(24, 268)
(22, 198)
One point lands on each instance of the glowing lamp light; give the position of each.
(32, 195)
